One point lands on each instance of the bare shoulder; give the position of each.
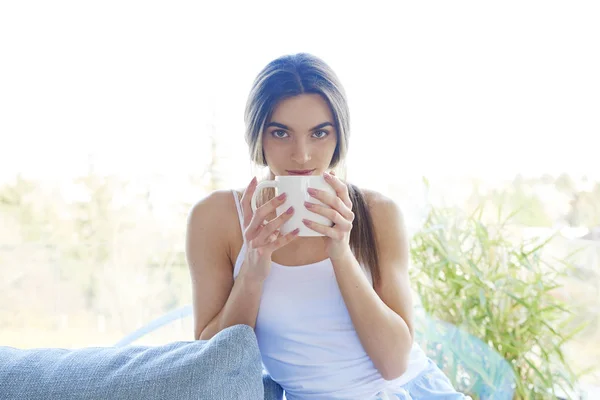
(390, 230)
(215, 216)
(388, 221)
(384, 210)
(213, 207)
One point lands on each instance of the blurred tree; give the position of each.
(97, 223)
(584, 204)
(565, 184)
(585, 208)
(518, 195)
(17, 201)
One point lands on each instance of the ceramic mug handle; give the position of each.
(262, 185)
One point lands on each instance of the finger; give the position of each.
(332, 232)
(282, 240)
(246, 198)
(272, 237)
(331, 200)
(260, 241)
(261, 214)
(331, 214)
(273, 226)
(341, 189)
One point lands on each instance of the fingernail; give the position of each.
(281, 196)
(312, 191)
(296, 231)
(289, 210)
(253, 181)
(326, 175)
(308, 204)
(307, 222)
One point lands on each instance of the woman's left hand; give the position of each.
(337, 237)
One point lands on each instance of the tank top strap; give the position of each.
(238, 206)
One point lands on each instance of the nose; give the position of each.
(301, 152)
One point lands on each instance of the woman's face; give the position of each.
(300, 137)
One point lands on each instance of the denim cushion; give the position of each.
(272, 389)
(228, 366)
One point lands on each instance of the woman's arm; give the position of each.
(241, 308)
(382, 317)
(218, 302)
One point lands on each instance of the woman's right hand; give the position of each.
(262, 237)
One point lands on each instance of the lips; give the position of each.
(300, 171)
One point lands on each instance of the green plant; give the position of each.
(500, 289)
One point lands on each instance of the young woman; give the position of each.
(332, 314)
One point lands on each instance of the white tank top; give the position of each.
(307, 340)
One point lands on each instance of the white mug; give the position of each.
(296, 189)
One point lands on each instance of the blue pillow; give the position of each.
(228, 366)
(273, 391)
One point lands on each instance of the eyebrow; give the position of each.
(282, 126)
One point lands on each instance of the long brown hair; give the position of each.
(292, 75)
